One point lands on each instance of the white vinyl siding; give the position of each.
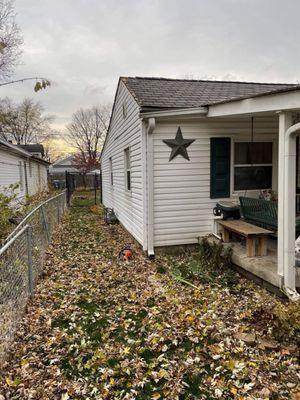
(182, 203)
(12, 172)
(124, 132)
(111, 172)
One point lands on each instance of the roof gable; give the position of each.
(162, 93)
(63, 162)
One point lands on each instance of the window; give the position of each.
(30, 169)
(253, 165)
(127, 169)
(111, 171)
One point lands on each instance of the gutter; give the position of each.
(149, 173)
(40, 160)
(199, 111)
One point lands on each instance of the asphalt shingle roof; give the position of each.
(33, 148)
(162, 93)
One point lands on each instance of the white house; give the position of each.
(176, 147)
(19, 166)
(59, 168)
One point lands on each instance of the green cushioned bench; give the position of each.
(263, 213)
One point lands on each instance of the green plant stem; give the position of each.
(178, 278)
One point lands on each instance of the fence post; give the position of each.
(29, 258)
(95, 187)
(67, 188)
(46, 226)
(100, 186)
(58, 208)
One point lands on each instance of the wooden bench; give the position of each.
(252, 233)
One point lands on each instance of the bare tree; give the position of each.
(23, 123)
(87, 131)
(10, 39)
(52, 149)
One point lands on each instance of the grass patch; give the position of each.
(88, 306)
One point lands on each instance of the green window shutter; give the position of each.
(220, 149)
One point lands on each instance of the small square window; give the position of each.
(127, 169)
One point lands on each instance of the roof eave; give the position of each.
(15, 149)
(40, 160)
(288, 101)
(277, 91)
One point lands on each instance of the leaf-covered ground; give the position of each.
(100, 328)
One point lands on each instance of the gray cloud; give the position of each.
(83, 46)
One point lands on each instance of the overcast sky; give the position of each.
(83, 46)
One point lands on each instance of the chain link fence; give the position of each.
(21, 263)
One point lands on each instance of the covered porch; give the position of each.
(278, 172)
(264, 268)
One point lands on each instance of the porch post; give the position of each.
(285, 121)
(150, 205)
(290, 211)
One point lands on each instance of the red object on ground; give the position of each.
(125, 254)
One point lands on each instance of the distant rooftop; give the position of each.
(34, 148)
(163, 93)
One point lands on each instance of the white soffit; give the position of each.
(287, 101)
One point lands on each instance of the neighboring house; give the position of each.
(36, 149)
(19, 166)
(57, 174)
(58, 169)
(176, 147)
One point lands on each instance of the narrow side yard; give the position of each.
(100, 328)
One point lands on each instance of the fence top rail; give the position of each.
(13, 233)
(9, 243)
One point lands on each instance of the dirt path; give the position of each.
(98, 328)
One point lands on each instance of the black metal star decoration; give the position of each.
(179, 145)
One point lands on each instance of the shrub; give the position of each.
(211, 264)
(287, 321)
(8, 208)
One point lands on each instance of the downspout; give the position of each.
(290, 212)
(150, 231)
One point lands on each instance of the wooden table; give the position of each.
(252, 233)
